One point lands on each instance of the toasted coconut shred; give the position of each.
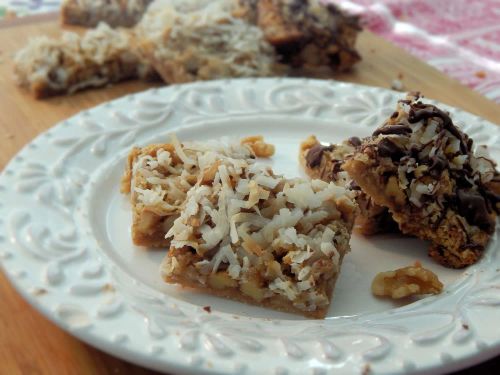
(269, 235)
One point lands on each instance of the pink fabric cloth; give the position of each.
(459, 37)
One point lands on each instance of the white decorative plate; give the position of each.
(65, 244)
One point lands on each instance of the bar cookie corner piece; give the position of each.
(424, 169)
(255, 237)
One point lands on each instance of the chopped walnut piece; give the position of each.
(258, 146)
(406, 281)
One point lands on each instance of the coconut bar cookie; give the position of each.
(89, 13)
(256, 237)
(310, 33)
(421, 167)
(158, 177)
(101, 56)
(325, 162)
(203, 41)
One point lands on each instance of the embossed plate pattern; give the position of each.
(65, 243)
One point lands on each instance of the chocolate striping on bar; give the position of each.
(420, 112)
(392, 129)
(472, 206)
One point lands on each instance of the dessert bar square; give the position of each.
(97, 58)
(425, 170)
(158, 177)
(209, 40)
(256, 237)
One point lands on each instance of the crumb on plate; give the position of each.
(480, 74)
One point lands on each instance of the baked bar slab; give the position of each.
(203, 41)
(424, 170)
(63, 66)
(259, 238)
(159, 176)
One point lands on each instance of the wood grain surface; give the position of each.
(29, 343)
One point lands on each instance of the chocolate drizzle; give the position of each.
(419, 111)
(438, 165)
(393, 129)
(470, 199)
(472, 206)
(313, 157)
(387, 148)
(336, 168)
(355, 141)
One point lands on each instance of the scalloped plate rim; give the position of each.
(158, 364)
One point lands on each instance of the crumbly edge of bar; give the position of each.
(179, 266)
(325, 162)
(149, 223)
(277, 302)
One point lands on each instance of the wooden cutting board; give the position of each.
(29, 343)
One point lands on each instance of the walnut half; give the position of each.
(406, 281)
